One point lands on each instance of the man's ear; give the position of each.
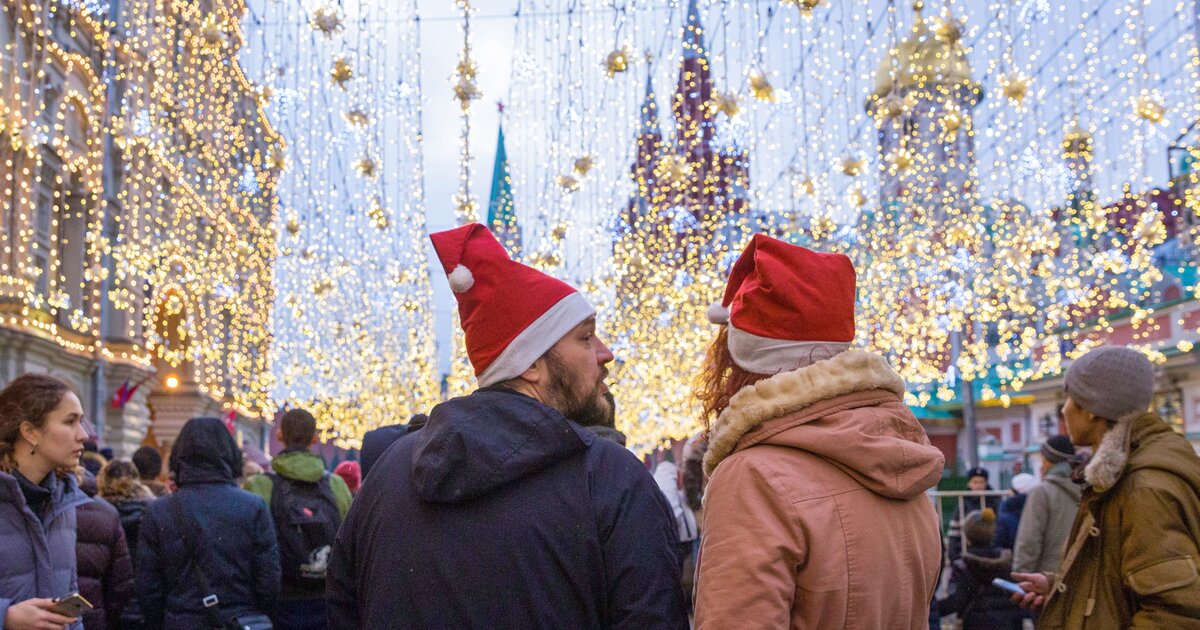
(536, 372)
(279, 435)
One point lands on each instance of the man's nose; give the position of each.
(603, 355)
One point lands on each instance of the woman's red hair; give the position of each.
(721, 378)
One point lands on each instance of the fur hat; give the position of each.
(979, 527)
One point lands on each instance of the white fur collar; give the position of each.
(788, 392)
(1108, 462)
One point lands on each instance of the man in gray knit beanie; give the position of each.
(1133, 551)
(1111, 382)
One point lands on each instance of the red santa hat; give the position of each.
(786, 306)
(511, 314)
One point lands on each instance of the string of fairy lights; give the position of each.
(353, 308)
(987, 165)
(1007, 176)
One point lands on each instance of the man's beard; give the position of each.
(581, 402)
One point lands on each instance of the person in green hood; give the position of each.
(308, 505)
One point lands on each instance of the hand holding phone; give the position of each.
(72, 605)
(1011, 587)
(31, 614)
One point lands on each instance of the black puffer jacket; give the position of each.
(977, 603)
(131, 511)
(105, 570)
(235, 534)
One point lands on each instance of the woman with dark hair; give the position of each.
(815, 511)
(208, 542)
(41, 439)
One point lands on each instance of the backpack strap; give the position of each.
(208, 602)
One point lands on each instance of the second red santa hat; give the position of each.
(786, 305)
(511, 314)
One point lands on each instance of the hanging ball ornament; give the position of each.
(465, 91)
(806, 187)
(1148, 106)
(616, 62)
(951, 121)
(341, 72)
(567, 183)
(900, 160)
(857, 197)
(378, 214)
(806, 6)
(583, 165)
(761, 86)
(212, 32)
(326, 20)
(727, 103)
(366, 167)
(357, 117)
(1015, 86)
(852, 165)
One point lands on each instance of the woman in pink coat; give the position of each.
(815, 513)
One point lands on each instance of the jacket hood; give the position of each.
(1155, 445)
(299, 465)
(475, 444)
(847, 410)
(205, 453)
(988, 564)
(1137, 442)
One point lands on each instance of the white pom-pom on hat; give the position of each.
(461, 279)
(718, 314)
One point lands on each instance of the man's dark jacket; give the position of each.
(238, 548)
(377, 441)
(501, 513)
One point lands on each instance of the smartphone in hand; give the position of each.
(1011, 587)
(72, 605)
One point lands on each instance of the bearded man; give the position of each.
(504, 511)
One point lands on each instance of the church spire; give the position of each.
(693, 34)
(502, 215)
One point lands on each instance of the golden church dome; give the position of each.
(923, 58)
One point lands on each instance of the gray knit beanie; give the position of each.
(1111, 382)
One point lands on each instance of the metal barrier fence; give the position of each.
(951, 504)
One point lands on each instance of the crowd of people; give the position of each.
(802, 502)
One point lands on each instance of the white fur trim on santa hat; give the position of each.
(763, 355)
(717, 313)
(461, 279)
(537, 338)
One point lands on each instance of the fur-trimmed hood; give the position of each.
(846, 409)
(1119, 452)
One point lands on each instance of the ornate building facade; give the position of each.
(137, 212)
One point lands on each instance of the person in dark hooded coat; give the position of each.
(102, 556)
(504, 511)
(232, 528)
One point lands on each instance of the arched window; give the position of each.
(75, 124)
